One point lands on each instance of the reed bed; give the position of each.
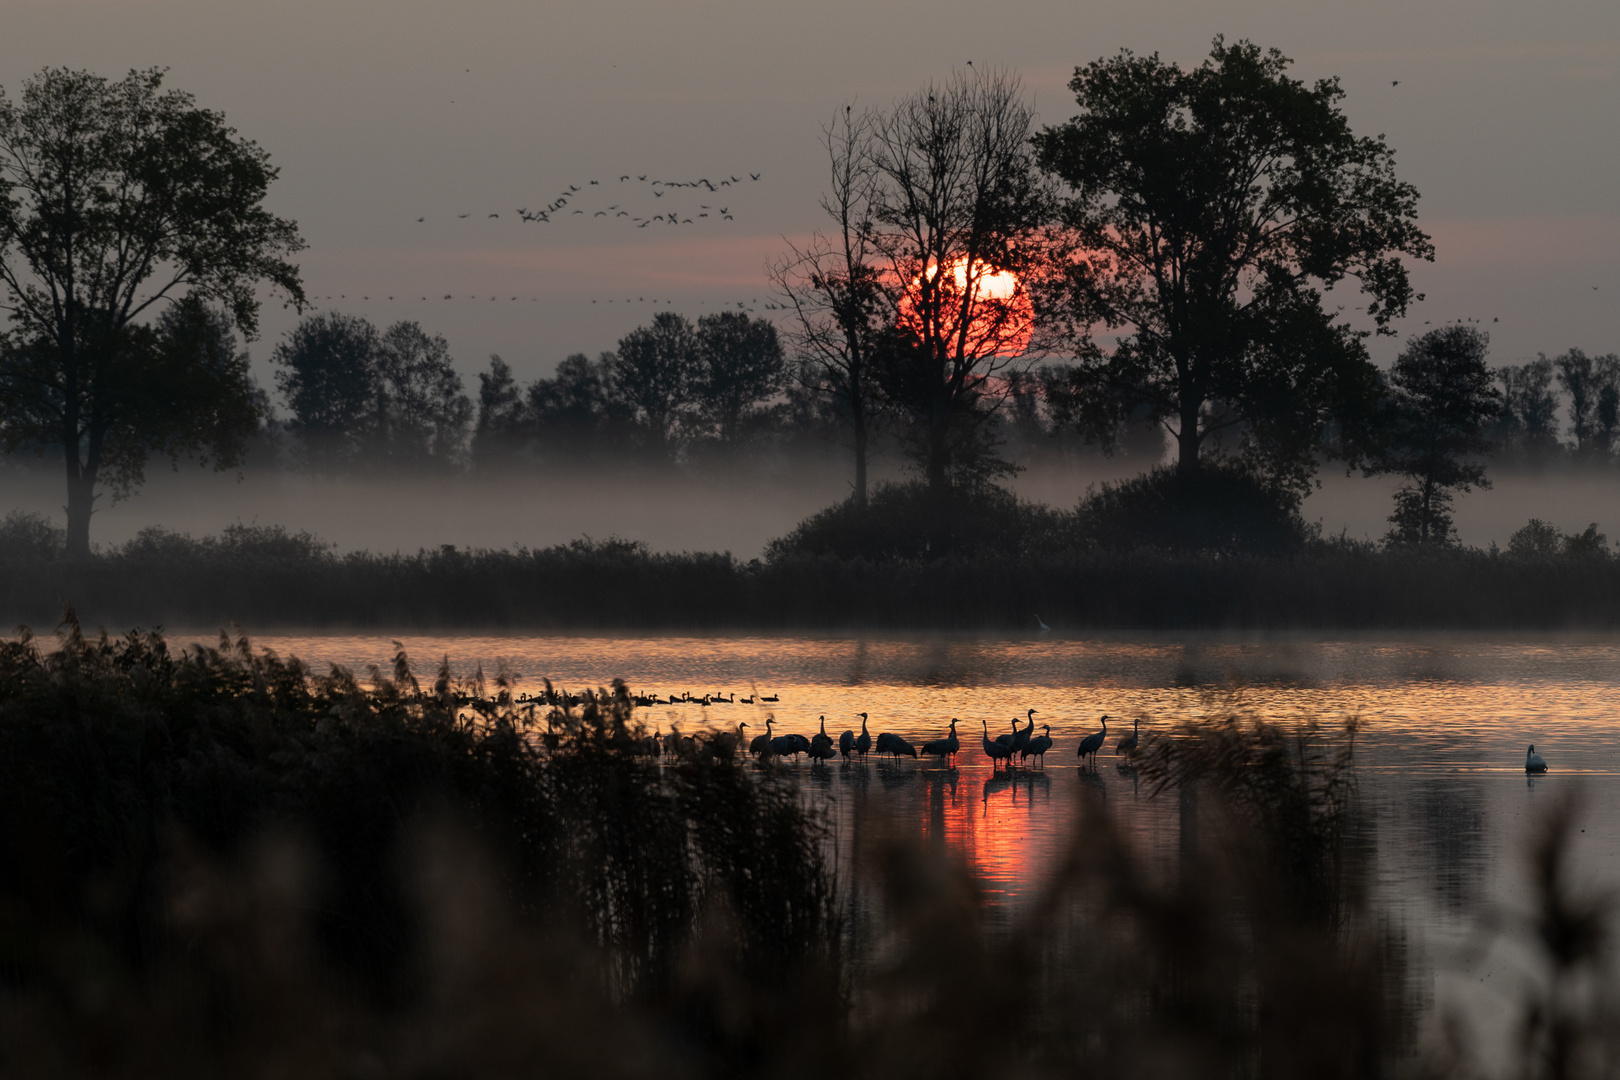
(268, 578)
(216, 863)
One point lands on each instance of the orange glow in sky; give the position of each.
(1002, 317)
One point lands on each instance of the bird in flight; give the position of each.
(463, 215)
(754, 175)
(494, 215)
(420, 220)
(1395, 82)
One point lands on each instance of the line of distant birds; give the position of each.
(1021, 742)
(560, 204)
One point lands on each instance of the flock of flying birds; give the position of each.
(564, 204)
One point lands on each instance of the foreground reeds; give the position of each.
(216, 863)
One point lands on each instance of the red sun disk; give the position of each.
(1002, 317)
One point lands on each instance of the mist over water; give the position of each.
(737, 508)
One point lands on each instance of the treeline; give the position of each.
(267, 577)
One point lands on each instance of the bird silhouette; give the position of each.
(946, 747)
(1533, 762)
(420, 220)
(1042, 624)
(1395, 82)
(846, 744)
(1093, 743)
(863, 741)
(994, 749)
(753, 176)
(463, 215)
(1128, 743)
(1040, 744)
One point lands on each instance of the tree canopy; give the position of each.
(1212, 209)
(117, 198)
(1441, 397)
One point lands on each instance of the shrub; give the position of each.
(912, 521)
(1222, 508)
(26, 536)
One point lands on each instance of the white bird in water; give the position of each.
(1533, 762)
(1042, 624)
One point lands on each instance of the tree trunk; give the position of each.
(81, 493)
(939, 453)
(1187, 439)
(859, 419)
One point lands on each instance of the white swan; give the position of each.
(1533, 761)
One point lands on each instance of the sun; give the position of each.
(1002, 318)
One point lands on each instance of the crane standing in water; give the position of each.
(946, 747)
(863, 741)
(1039, 745)
(994, 749)
(1128, 743)
(1093, 743)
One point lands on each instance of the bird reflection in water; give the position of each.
(1029, 781)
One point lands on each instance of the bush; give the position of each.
(911, 521)
(1542, 540)
(26, 536)
(1220, 508)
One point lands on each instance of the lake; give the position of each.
(1444, 725)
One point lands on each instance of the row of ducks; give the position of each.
(1021, 742)
(645, 701)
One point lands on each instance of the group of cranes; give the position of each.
(1021, 742)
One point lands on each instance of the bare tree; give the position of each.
(841, 312)
(923, 287)
(960, 233)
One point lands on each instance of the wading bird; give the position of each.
(1039, 745)
(1093, 743)
(1021, 738)
(760, 743)
(894, 744)
(846, 744)
(1128, 743)
(946, 747)
(994, 749)
(863, 741)
(1533, 762)
(1041, 623)
(821, 744)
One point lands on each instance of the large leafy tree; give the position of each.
(1442, 396)
(1213, 209)
(326, 374)
(740, 364)
(117, 198)
(655, 371)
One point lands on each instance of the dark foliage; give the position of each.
(914, 522)
(1220, 508)
(114, 750)
(1215, 206)
(1441, 400)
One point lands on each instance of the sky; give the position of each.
(380, 112)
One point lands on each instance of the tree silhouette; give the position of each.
(115, 199)
(420, 408)
(498, 435)
(326, 374)
(1212, 208)
(955, 202)
(654, 370)
(842, 315)
(740, 364)
(1441, 397)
